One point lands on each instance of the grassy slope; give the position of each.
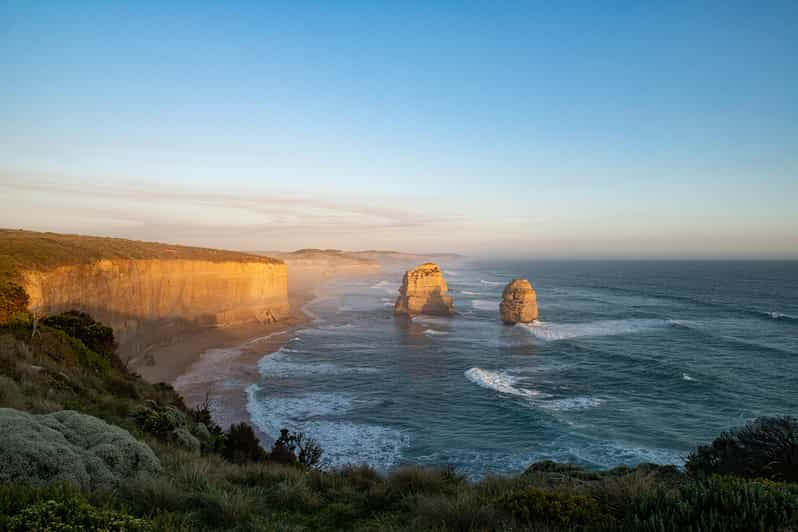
(21, 249)
(52, 370)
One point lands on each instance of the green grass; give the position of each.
(53, 370)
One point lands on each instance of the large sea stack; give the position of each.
(424, 292)
(519, 302)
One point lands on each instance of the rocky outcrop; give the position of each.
(519, 302)
(423, 291)
(150, 301)
(67, 446)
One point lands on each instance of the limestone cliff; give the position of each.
(423, 291)
(147, 301)
(519, 302)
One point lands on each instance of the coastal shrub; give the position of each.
(559, 509)
(69, 447)
(184, 439)
(13, 300)
(158, 420)
(717, 504)
(296, 448)
(461, 512)
(241, 445)
(766, 447)
(73, 515)
(413, 479)
(58, 507)
(96, 336)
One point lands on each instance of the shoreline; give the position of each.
(220, 364)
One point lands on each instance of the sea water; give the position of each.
(630, 362)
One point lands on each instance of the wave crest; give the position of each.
(498, 381)
(549, 332)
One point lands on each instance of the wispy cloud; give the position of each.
(254, 221)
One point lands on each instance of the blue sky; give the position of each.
(615, 129)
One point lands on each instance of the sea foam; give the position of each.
(549, 332)
(485, 304)
(344, 442)
(498, 381)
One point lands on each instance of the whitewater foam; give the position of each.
(344, 442)
(570, 403)
(277, 365)
(389, 287)
(687, 377)
(433, 332)
(491, 283)
(498, 381)
(485, 304)
(549, 332)
(781, 316)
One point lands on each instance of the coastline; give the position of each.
(219, 364)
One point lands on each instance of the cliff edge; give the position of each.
(148, 292)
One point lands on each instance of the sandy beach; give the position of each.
(220, 363)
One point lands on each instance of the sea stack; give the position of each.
(424, 292)
(519, 302)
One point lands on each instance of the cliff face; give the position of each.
(423, 291)
(519, 302)
(148, 301)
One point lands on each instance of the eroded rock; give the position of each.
(424, 291)
(519, 302)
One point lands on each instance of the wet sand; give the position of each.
(220, 364)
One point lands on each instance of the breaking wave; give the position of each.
(687, 377)
(570, 403)
(549, 332)
(485, 304)
(491, 283)
(781, 316)
(277, 365)
(433, 332)
(345, 442)
(498, 381)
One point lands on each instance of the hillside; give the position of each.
(86, 445)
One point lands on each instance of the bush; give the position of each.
(58, 508)
(72, 516)
(241, 445)
(96, 336)
(717, 504)
(296, 448)
(69, 447)
(766, 448)
(13, 300)
(534, 506)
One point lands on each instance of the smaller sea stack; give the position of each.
(519, 302)
(423, 291)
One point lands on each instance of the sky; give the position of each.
(579, 130)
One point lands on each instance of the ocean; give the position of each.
(630, 362)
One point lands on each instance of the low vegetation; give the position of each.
(208, 478)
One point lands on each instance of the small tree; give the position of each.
(766, 447)
(241, 445)
(296, 448)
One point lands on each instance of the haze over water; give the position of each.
(631, 362)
